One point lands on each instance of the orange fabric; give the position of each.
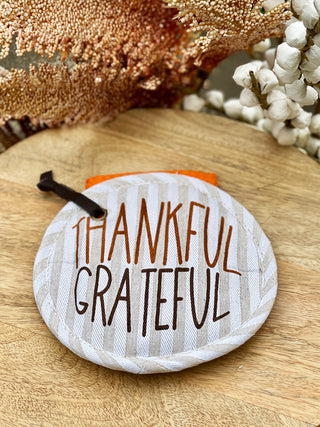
(211, 178)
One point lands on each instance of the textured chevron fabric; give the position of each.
(177, 274)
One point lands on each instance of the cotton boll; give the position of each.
(267, 80)
(258, 111)
(233, 108)
(262, 46)
(275, 128)
(295, 109)
(290, 21)
(317, 5)
(313, 55)
(285, 76)
(302, 120)
(307, 66)
(281, 89)
(298, 5)
(270, 56)
(267, 124)
(275, 95)
(288, 57)
(281, 108)
(299, 92)
(312, 76)
(302, 137)
(242, 73)
(215, 98)
(251, 114)
(316, 40)
(248, 98)
(313, 145)
(309, 15)
(296, 35)
(261, 124)
(296, 90)
(287, 136)
(270, 4)
(192, 103)
(315, 125)
(310, 98)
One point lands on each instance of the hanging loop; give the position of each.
(47, 183)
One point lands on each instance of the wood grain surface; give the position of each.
(272, 380)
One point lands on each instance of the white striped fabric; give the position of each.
(178, 273)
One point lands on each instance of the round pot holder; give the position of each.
(177, 274)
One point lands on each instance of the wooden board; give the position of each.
(272, 380)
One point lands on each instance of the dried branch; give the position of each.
(115, 55)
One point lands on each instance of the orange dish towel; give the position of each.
(211, 178)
